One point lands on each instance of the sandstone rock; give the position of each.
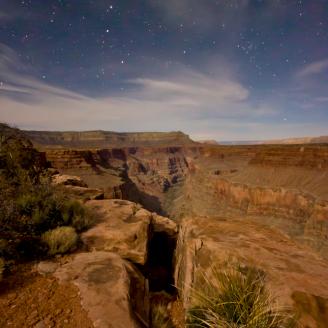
(105, 289)
(120, 228)
(162, 224)
(47, 267)
(68, 180)
(289, 267)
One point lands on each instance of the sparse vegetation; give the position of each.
(235, 298)
(29, 204)
(76, 215)
(60, 240)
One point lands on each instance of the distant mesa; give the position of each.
(287, 141)
(106, 139)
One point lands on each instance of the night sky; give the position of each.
(215, 69)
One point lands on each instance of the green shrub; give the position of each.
(76, 215)
(43, 206)
(60, 240)
(236, 298)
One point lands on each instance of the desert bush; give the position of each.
(160, 317)
(76, 215)
(43, 205)
(60, 240)
(236, 298)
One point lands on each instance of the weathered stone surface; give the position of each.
(289, 267)
(121, 228)
(105, 289)
(47, 267)
(163, 224)
(68, 180)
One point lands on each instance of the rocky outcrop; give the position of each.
(290, 269)
(107, 284)
(125, 228)
(115, 278)
(121, 227)
(164, 225)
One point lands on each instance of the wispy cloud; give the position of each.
(205, 106)
(159, 103)
(313, 68)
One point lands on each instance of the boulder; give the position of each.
(47, 267)
(107, 284)
(121, 227)
(163, 224)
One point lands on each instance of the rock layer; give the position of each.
(290, 269)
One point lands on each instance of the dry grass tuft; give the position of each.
(60, 240)
(236, 298)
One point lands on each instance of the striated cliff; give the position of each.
(304, 209)
(312, 156)
(106, 139)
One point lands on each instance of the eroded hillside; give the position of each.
(264, 207)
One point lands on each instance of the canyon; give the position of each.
(168, 208)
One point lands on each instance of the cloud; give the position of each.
(182, 100)
(314, 68)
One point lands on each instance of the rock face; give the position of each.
(105, 285)
(122, 227)
(303, 209)
(311, 156)
(291, 270)
(125, 228)
(141, 175)
(112, 288)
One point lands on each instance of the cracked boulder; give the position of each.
(121, 227)
(107, 286)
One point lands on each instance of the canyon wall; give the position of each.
(302, 208)
(106, 139)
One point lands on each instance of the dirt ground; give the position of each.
(28, 299)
